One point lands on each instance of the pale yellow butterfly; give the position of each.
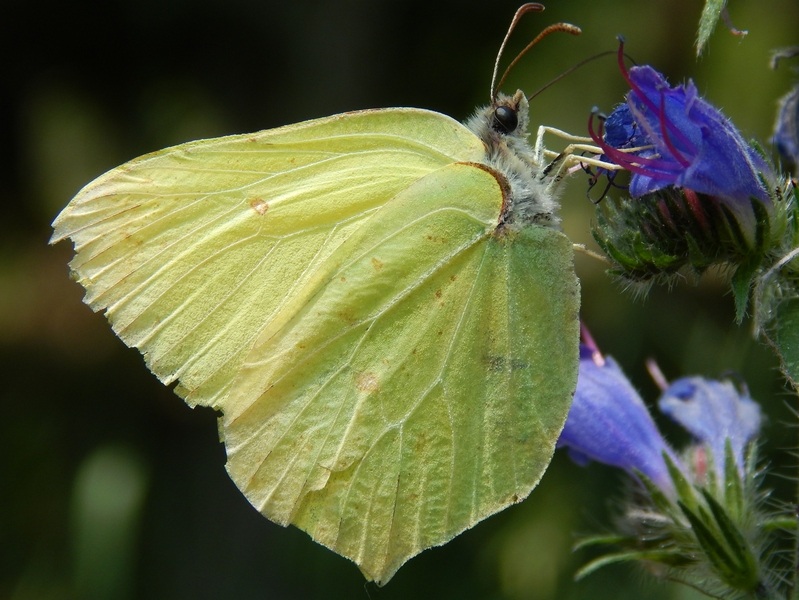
(380, 304)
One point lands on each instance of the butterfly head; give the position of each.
(509, 114)
(503, 128)
(506, 117)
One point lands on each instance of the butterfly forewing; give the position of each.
(193, 250)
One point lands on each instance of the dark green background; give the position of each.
(111, 486)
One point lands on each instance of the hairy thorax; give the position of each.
(509, 154)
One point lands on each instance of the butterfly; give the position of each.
(379, 304)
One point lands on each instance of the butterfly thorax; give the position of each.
(502, 126)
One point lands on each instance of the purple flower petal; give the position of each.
(712, 412)
(693, 145)
(609, 423)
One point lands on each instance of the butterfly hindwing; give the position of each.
(421, 388)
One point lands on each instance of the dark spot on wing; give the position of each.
(502, 363)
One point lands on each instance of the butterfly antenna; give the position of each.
(556, 27)
(571, 70)
(522, 10)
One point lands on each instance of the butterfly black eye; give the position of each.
(505, 119)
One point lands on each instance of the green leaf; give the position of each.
(685, 491)
(779, 522)
(707, 22)
(713, 547)
(666, 557)
(733, 489)
(747, 571)
(741, 284)
(661, 502)
(602, 540)
(723, 545)
(751, 263)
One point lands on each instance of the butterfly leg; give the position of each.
(541, 152)
(559, 163)
(572, 156)
(581, 248)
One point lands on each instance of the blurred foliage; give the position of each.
(113, 488)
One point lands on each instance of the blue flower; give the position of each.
(688, 142)
(609, 423)
(621, 131)
(692, 526)
(713, 412)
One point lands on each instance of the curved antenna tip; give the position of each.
(520, 12)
